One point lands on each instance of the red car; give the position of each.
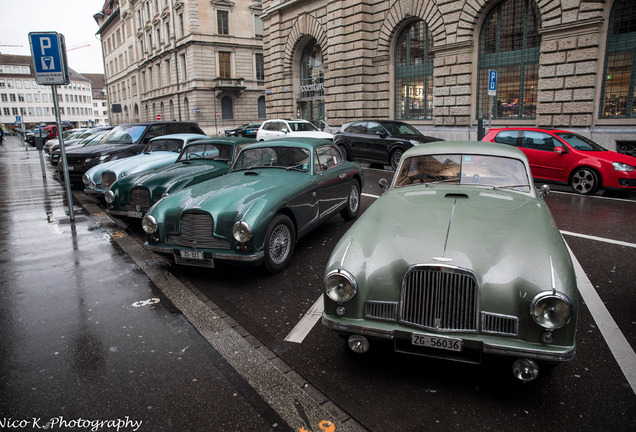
(566, 157)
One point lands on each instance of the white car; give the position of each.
(271, 129)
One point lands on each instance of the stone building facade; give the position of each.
(195, 60)
(559, 62)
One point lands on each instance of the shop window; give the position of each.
(414, 73)
(617, 97)
(510, 44)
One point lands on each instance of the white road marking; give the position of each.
(618, 345)
(308, 321)
(601, 239)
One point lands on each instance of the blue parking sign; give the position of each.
(492, 83)
(49, 58)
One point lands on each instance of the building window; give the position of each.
(181, 25)
(312, 71)
(258, 26)
(223, 22)
(260, 67)
(617, 97)
(227, 109)
(262, 112)
(414, 73)
(184, 70)
(224, 65)
(510, 44)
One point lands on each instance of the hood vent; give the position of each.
(456, 195)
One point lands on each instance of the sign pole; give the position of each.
(67, 180)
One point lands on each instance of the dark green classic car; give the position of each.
(468, 262)
(204, 159)
(276, 192)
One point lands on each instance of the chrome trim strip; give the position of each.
(528, 352)
(350, 328)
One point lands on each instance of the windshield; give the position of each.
(93, 139)
(400, 129)
(164, 144)
(124, 134)
(206, 151)
(303, 126)
(579, 142)
(464, 169)
(273, 157)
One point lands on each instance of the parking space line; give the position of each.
(614, 338)
(601, 239)
(308, 321)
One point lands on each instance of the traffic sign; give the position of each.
(158, 116)
(492, 83)
(49, 58)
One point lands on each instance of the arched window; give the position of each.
(312, 71)
(510, 44)
(617, 98)
(227, 109)
(262, 113)
(414, 73)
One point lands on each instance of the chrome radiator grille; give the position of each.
(196, 232)
(108, 178)
(440, 298)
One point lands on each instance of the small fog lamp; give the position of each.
(358, 344)
(525, 369)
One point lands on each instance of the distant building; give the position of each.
(100, 103)
(184, 60)
(21, 96)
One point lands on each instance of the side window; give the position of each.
(327, 157)
(283, 127)
(538, 141)
(357, 128)
(373, 128)
(154, 131)
(508, 137)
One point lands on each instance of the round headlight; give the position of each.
(149, 224)
(109, 197)
(551, 310)
(86, 179)
(241, 232)
(340, 286)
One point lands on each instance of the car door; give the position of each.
(332, 180)
(377, 144)
(545, 162)
(356, 134)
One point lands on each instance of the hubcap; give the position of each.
(279, 244)
(583, 181)
(354, 199)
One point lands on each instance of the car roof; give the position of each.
(223, 140)
(180, 136)
(308, 143)
(467, 147)
(532, 129)
(156, 122)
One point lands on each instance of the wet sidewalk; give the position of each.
(96, 335)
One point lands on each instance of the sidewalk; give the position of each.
(97, 335)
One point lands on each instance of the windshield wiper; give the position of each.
(511, 186)
(298, 167)
(449, 180)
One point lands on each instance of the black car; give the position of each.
(246, 130)
(378, 141)
(124, 140)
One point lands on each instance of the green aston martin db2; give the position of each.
(468, 262)
(276, 192)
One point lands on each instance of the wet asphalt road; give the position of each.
(381, 391)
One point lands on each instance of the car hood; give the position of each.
(501, 236)
(141, 162)
(610, 156)
(413, 137)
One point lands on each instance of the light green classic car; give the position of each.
(468, 262)
(276, 192)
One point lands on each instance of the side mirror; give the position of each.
(384, 184)
(381, 134)
(559, 150)
(544, 191)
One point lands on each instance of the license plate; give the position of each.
(134, 214)
(71, 167)
(444, 343)
(197, 255)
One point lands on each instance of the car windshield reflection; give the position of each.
(464, 169)
(273, 157)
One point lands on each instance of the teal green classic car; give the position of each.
(204, 159)
(276, 192)
(468, 262)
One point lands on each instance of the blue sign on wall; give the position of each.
(492, 83)
(49, 58)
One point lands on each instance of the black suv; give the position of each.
(124, 140)
(378, 141)
(246, 130)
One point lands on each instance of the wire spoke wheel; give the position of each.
(280, 241)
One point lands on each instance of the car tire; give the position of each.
(394, 158)
(280, 241)
(585, 181)
(239, 134)
(352, 209)
(344, 152)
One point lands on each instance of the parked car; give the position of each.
(566, 157)
(247, 130)
(280, 128)
(124, 140)
(56, 153)
(459, 258)
(275, 193)
(73, 140)
(378, 141)
(159, 152)
(72, 134)
(131, 196)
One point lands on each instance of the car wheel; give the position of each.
(585, 181)
(240, 134)
(353, 202)
(395, 157)
(344, 152)
(279, 243)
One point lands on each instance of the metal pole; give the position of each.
(67, 180)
